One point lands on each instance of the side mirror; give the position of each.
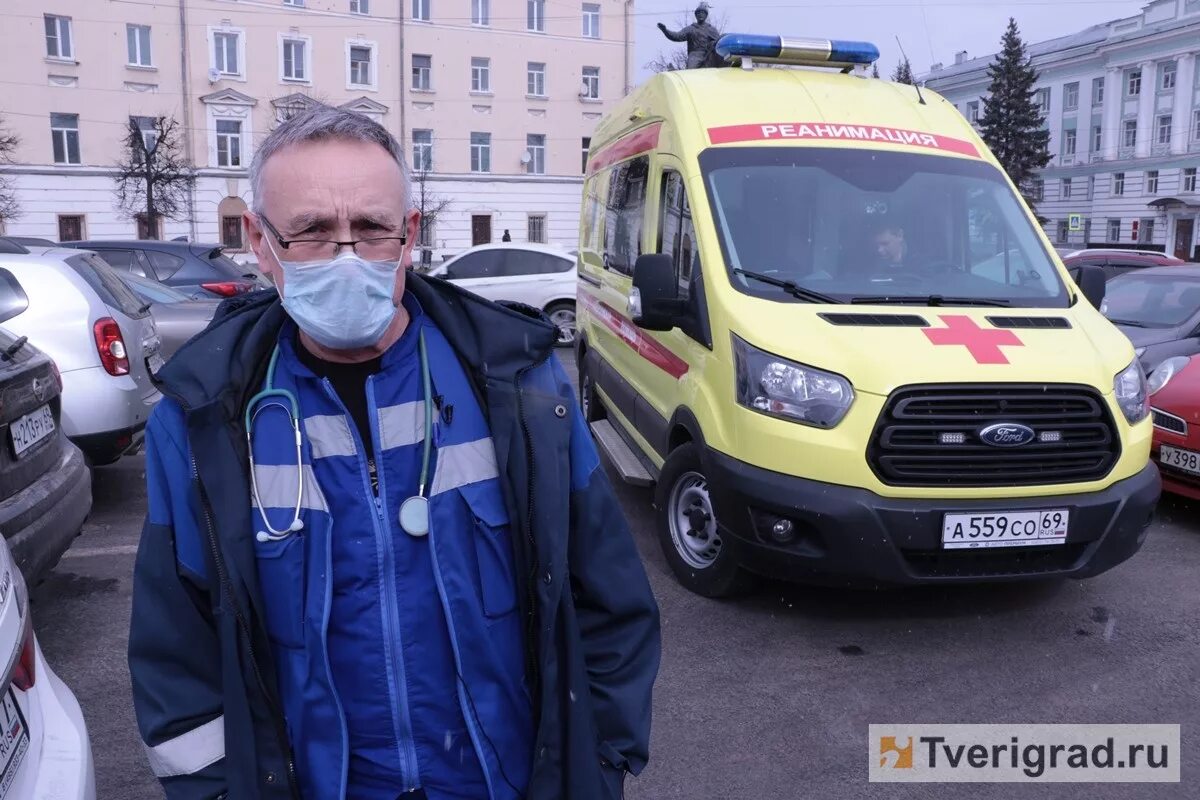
(1091, 282)
(654, 302)
(13, 300)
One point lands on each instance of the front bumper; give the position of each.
(847, 535)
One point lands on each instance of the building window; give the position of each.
(225, 52)
(1087, 231)
(296, 3)
(147, 129)
(536, 232)
(587, 145)
(137, 39)
(535, 143)
(1189, 179)
(360, 6)
(1166, 76)
(64, 135)
(481, 74)
(1071, 97)
(1066, 188)
(1042, 99)
(58, 37)
(70, 227)
(535, 15)
(481, 12)
(973, 111)
(231, 232)
(148, 227)
(1129, 133)
(1164, 129)
(1069, 140)
(422, 151)
(1097, 139)
(420, 10)
(425, 236)
(1196, 125)
(1063, 231)
(295, 60)
(1152, 182)
(1118, 184)
(591, 20)
(1037, 189)
(1133, 83)
(1091, 190)
(422, 73)
(591, 83)
(1097, 91)
(360, 66)
(536, 79)
(229, 143)
(1114, 230)
(481, 152)
(1146, 231)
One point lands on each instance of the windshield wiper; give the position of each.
(792, 288)
(928, 300)
(15, 348)
(1133, 323)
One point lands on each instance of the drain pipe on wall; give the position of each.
(628, 55)
(185, 89)
(403, 137)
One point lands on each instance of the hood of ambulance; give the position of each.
(879, 359)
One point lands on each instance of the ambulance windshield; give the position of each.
(876, 226)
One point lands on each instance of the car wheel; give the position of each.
(563, 316)
(589, 401)
(698, 552)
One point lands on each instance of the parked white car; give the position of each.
(536, 275)
(45, 753)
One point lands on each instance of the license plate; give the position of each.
(1004, 529)
(14, 742)
(1186, 460)
(30, 429)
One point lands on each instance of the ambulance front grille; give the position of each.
(930, 436)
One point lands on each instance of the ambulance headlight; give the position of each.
(1132, 394)
(785, 389)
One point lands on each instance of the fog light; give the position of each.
(1050, 436)
(953, 438)
(783, 531)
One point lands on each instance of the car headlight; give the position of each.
(1132, 396)
(1165, 371)
(785, 389)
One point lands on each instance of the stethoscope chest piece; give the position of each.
(414, 516)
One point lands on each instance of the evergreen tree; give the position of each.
(903, 73)
(1011, 123)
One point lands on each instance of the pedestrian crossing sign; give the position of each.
(1075, 222)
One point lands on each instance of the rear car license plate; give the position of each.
(1004, 529)
(14, 742)
(30, 429)
(1177, 457)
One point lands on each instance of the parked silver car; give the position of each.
(101, 336)
(177, 316)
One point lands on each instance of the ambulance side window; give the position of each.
(677, 231)
(624, 212)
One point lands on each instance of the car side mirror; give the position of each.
(654, 301)
(13, 300)
(1091, 282)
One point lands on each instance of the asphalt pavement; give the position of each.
(768, 697)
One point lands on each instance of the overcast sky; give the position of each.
(930, 30)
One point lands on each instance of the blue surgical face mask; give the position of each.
(343, 304)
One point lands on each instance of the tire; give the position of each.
(704, 563)
(562, 314)
(589, 400)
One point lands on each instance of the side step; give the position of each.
(620, 454)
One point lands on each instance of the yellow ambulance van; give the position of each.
(816, 314)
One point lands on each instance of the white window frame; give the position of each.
(973, 111)
(481, 153)
(55, 131)
(1196, 125)
(241, 143)
(427, 70)
(138, 120)
(1113, 236)
(1186, 176)
(421, 11)
(1152, 177)
(1097, 138)
(239, 35)
(591, 20)
(529, 218)
(1098, 87)
(1065, 189)
(1118, 184)
(372, 48)
(424, 149)
(1070, 142)
(535, 78)
(1043, 99)
(61, 23)
(1068, 89)
(234, 112)
(1167, 74)
(537, 153)
(585, 145)
(592, 82)
(360, 7)
(535, 16)
(1160, 129)
(136, 58)
(294, 3)
(1133, 79)
(1126, 130)
(285, 38)
(481, 75)
(481, 13)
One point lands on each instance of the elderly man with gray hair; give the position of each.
(380, 557)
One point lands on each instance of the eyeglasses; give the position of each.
(378, 248)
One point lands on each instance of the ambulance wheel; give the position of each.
(589, 401)
(692, 542)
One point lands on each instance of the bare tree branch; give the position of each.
(10, 206)
(154, 181)
(429, 204)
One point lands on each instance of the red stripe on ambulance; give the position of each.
(780, 131)
(640, 141)
(633, 336)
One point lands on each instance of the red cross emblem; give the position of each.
(984, 343)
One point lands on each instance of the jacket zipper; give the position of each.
(244, 627)
(531, 665)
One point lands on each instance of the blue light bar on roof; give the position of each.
(796, 50)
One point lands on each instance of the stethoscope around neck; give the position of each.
(414, 512)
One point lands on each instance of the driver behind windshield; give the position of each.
(891, 247)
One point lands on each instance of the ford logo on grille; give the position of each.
(1007, 434)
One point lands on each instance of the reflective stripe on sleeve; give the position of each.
(329, 436)
(190, 752)
(462, 464)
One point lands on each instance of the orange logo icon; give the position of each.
(893, 754)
